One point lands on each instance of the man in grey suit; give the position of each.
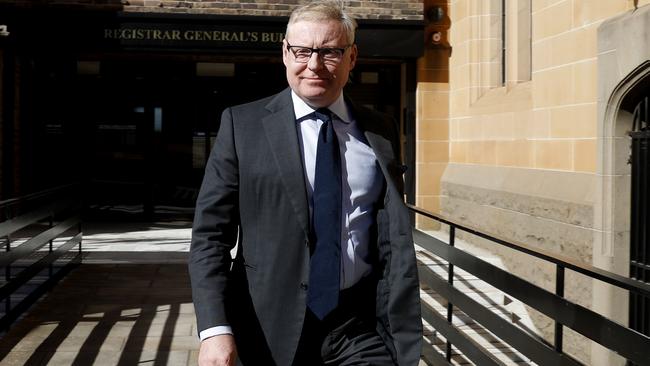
(309, 185)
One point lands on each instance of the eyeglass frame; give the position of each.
(318, 52)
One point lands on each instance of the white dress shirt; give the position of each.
(362, 184)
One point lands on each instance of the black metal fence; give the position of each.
(31, 260)
(625, 341)
(640, 214)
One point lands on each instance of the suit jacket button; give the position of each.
(304, 286)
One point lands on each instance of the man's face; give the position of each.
(318, 81)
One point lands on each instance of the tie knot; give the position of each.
(323, 114)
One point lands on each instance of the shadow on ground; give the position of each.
(109, 314)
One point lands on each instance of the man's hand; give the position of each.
(218, 351)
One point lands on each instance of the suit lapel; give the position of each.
(281, 133)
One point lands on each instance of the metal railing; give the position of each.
(621, 339)
(32, 263)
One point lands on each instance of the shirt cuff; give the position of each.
(215, 331)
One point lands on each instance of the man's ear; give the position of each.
(353, 56)
(284, 52)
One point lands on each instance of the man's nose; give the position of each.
(315, 62)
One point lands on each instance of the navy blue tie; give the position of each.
(324, 274)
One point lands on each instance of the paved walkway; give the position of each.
(129, 303)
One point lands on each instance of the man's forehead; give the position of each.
(326, 30)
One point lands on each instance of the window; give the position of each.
(516, 54)
(500, 44)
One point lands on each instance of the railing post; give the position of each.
(51, 266)
(51, 225)
(80, 239)
(559, 291)
(450, 280)
(7, 279)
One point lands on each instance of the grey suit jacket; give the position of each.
(254, 193)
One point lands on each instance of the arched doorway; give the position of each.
(613, 208)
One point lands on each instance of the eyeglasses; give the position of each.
(328, 54)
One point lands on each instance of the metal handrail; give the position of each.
(60, 214)
(621, 339)
(558, 259)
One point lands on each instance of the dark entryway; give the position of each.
(148, 126)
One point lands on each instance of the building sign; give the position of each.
(191, 36)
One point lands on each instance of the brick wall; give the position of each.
(361, 9)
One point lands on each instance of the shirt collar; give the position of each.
(339, 108)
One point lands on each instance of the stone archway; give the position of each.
(612, 214)
(623, 68)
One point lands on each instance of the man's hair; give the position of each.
(321, 10)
